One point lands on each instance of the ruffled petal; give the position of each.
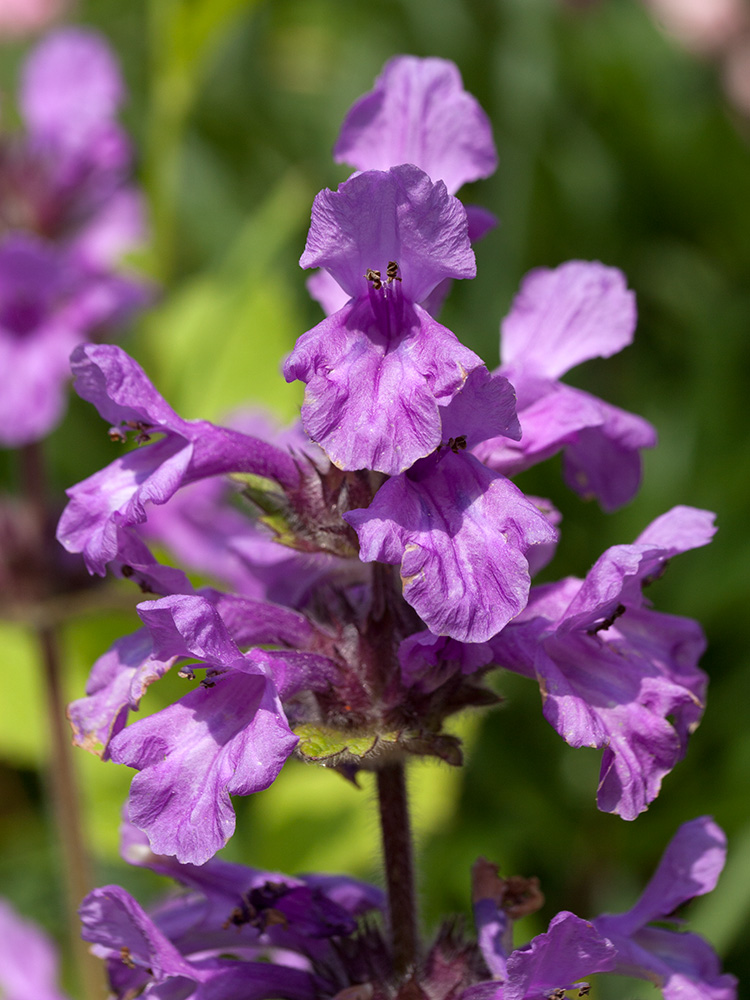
(418, 112)
(460, 533)
(396, 215)
(374, 383)
(561, 317)
(120, 389)
(569, 950)
(617, 577)
(683, 965)
(689, 867)
(601, 443)
(484, 408)
(607, 695)
(116, 496)
(114, 921)
(232, 738)
(117, 682)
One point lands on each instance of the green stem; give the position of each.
(399, 865)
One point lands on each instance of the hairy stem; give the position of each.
(399, 864)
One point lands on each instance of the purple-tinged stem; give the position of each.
(399, 865)
(63, 789)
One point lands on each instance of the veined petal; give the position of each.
(460, 533)
(561, 317)
(374, 382)
(116, 496)
(618, 575)
(113, 920)
(683, 965)
(426, 660)
(601, 443)
(687, 966)
(120, 389)
(232, 738)
(418, 112)
(189, 626)
(606, 695)
(259, 981)
(570, 950)
(679, 530)
(604, 461)
(484, 408)
(117, 682)
(395, 215)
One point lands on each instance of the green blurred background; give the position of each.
(615, 144)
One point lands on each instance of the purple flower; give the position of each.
(228, 736)
(557, 960)
(116, 924)
(188, 451)
(65, 179)
(459, 530)
(682, 965)
(117, 682)
(48, 305)
(378, 370)
(28, 960)
(560, 318)
(237, 933)
(418, 112)
(613, 673)
(66, 217)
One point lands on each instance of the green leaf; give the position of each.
(217, 342)
(321, 744)
(23, 731)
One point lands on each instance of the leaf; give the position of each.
(23, 730)
(217, 342)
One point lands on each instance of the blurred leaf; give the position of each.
(23, 731)
(184, 36)
(218, 341)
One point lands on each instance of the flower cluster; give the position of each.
(403, 575)
(236, 932)
(67, 215)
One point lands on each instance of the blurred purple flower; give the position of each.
(28, 960)
(67, 215)
(66, 178)
(19, 18)
(48, 304)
